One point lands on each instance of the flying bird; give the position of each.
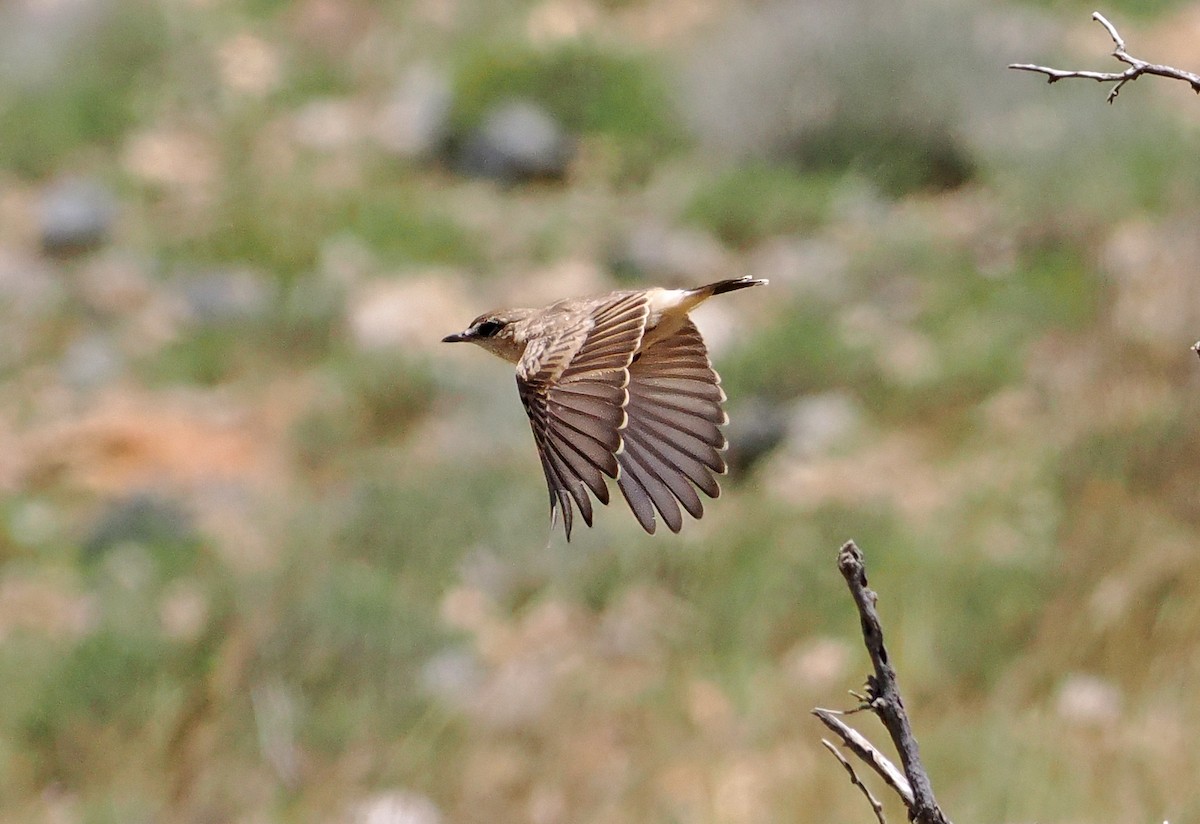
(618, 386)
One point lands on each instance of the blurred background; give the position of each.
(270, 552)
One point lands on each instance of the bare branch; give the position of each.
(857, 743)
(1137, 67)
(884, 692)
(871, 799)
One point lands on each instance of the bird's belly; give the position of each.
(668, 313)
(666, 326)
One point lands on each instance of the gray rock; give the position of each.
(76, 215)
(517, 141)
(755, 429)
(158, 525)
(415, 120)
(225, 296)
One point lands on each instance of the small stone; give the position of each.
(1088, 701)
(77, 216)
(396, 807)
(555, 21)
(172, 158)
(413, 313)
(249, 65)
(183, 611)
(327, 125)
(517, 141)
(818, 423)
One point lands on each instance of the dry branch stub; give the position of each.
(884, 699)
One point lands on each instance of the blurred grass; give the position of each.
(758, 200)
(588, 89)
(100, 91)
(371, 538)
(977, 327)
(281, 225)
(911, 158)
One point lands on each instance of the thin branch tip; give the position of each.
(1137, 66)
(856, 781)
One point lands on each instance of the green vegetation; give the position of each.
(100, 90)
(281, 226)
(898, 160)
(590, 91)
(801, 353)
(759, 200)
(257, 570)
(971, 333)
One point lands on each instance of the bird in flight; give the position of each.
(618, 386)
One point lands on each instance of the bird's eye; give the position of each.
(488, 328)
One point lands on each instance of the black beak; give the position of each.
(458, 337)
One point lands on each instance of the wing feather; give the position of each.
(560, 499)
(569, 477)
(573, 384)
(672, 441)
(651, 460)
(637, 466)
(697, 427)
(638, 499)
(688, 404)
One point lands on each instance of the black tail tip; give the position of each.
(721, 287)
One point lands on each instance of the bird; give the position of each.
(618, 386)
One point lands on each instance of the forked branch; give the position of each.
(883, 699)
(1137, 67)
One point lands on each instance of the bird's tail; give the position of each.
(723, 286)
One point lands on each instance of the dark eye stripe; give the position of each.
(488, 328)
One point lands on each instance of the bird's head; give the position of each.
(500, 332)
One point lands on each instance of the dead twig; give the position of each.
(883, 698)
(1137, 67)
(871, 799)
(858, 744)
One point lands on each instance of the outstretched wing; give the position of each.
(673, 441)
(572, 382)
